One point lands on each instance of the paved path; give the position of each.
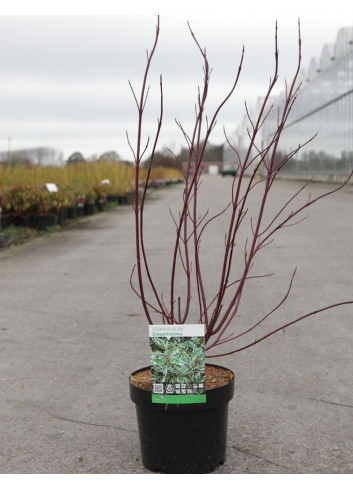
(71, 331)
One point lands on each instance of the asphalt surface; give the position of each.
(71, 332)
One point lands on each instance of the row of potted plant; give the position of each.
(35, 205)
(120, 175)
(26, 204)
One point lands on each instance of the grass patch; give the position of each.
(53, 229)
(15, 235)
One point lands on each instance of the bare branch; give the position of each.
(301, 318)
(190, 224)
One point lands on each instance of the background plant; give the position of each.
(22, 189)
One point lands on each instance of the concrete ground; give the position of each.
(71, 332)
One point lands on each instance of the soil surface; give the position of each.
(215, 377)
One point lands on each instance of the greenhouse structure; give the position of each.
(324, 106)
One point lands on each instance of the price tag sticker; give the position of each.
(177, 353)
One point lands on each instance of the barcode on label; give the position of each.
(158, 388)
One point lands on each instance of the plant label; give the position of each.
(51, 187)
(177, 353)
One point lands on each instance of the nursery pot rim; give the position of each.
(214, 397)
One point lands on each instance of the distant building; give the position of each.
(208, 167)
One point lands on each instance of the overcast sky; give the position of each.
(64, 78)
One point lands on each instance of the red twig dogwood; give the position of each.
(219, 311)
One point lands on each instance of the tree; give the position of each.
(76, 157)
(164, 158)
(110, 156)
(43, 156)
(213, 152)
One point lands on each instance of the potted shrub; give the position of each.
(47, 208)
(63, 203)
(70, 199)
(177, 437)
(90, 199)
(101, 193)
(5, 207)
(80, 205)
(23, 204)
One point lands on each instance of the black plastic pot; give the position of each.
(183, 438)
(45, 221)
(25, 221)
(100, 206)
(122, 200)
(62, 215)
(72, 213)
(5, 220)
(112, 199)
(88, 209)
